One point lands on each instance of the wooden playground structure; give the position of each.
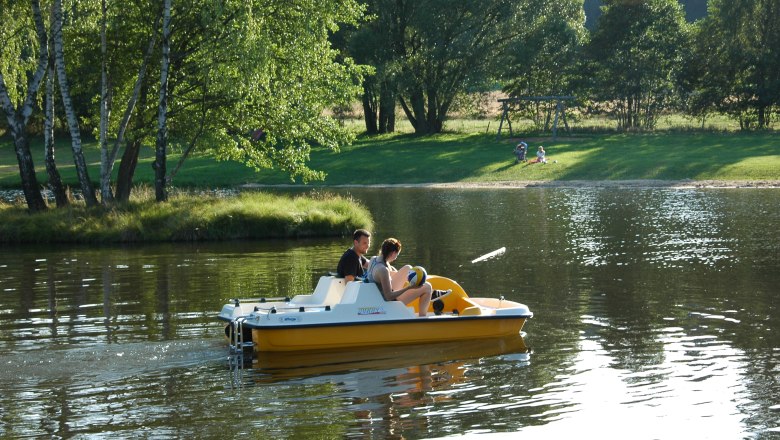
(507, 104)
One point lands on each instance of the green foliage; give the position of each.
(18, 50)
(236, 66)
(188, 218)
(274, 70)
(543, 59)
(735, 67)
(632, 61)
(551, 34)
(429, 51)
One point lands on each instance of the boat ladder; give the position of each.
(237, 342)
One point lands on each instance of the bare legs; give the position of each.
(398, 279)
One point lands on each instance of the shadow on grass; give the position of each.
(666, 156)
(479, 157)
(454, 157)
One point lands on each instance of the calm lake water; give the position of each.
(656, 316)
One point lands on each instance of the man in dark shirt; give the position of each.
(352, 264)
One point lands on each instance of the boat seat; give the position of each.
(359, 292)
(471, 308)
(471, 311)
(329, 291)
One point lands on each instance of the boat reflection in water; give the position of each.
(386, 391)
(279, 366)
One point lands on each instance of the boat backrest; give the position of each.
(329, 291)
(358, 292)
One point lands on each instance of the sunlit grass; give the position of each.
(188, 217)
(474, 153)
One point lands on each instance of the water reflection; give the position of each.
(388, 392)
(661, 227)
(652, 308)
(282, 365)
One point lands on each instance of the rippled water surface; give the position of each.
(656, 316)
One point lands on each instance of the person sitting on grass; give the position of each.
(520, 151)
(392, 282)
(540, 155)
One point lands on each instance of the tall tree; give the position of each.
(543, 59)
(162, 108)
(133, 146)
(426, 52)
(123, 36)
(55, 180)
(18, 115)
(375, 43)
(445, 46)
(738, 70)
(633, 59)
(106, 195)
(88, 191)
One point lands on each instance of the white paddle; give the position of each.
(489, 255)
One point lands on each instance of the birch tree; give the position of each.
(73, 124)
(106, 165)
(123, 36)
(18, 101)
(55, 180)
(162, 109)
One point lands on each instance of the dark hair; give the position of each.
(389, 246)
(360, 233)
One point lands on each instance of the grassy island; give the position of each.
(187, 217)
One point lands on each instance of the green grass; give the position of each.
(398, 159)
(188, 218)
(474, 156)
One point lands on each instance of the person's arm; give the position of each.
(386, 286)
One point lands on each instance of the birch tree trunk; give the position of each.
(17, 118)
(73, 124)
(106, 196)
(55, 181)
(162, 110)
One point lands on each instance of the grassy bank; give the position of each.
(478, 157)
(187, 218)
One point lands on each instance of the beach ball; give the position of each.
(417, 276)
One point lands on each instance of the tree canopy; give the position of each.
(235, 68)
(735, 65)
(633, 59)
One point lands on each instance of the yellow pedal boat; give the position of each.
(354, 314)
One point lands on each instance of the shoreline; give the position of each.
(510, 184)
